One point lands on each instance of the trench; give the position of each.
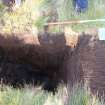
(53, 61)
(22, 63)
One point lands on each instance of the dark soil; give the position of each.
(88, 64)
(23, 61)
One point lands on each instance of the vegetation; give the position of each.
(30, 96)
(82, 96)
(17, 22)
(66, 11)
(35, 96)
(20, 19)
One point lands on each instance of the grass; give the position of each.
(21, 19)
(83, 96)
(35, 96)
(17, 21)
(66, 12)
(95, 11)
(29, 96)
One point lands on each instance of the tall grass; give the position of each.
(27, 16)
(21, 19)
(67, 12)
(95, 11)
(83, 96)
(29, 96)
(36, 96)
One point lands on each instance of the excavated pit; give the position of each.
(27, 59)
(53, 58)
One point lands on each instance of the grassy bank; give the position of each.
(66, 12)
(95, 11)
(17, 21)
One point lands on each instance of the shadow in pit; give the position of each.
(22, 63)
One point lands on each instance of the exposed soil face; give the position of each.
(25, 60)
(88, 64)
(51, 58)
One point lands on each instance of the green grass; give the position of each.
(66, 12)
(83, 96)
(95, 11)
(17, 21)
(35, 96)
(29, 96)
(21, 19)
